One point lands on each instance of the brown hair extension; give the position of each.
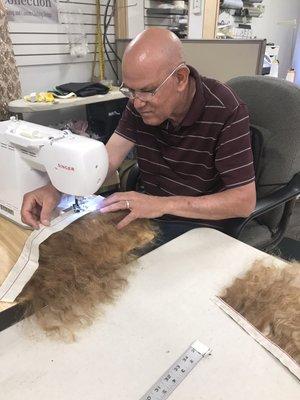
(82, 267)
(269, 298)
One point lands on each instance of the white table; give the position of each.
(166, 307)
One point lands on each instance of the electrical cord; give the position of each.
(106, 34)
(106, 25)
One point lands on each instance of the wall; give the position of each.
(42, 50)
(270, 26)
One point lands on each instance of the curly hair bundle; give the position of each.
(87, 264)
(269, 298)
(80, 268)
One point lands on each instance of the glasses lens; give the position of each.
(127, 92)
(132, 94)
(144, 96)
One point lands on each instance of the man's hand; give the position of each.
(231, 203)
(38, 205)
(140, 205)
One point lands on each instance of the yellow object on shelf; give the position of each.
(41, 97)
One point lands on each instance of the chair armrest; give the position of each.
(132, 178)
(281, 196)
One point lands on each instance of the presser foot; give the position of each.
(78, 204)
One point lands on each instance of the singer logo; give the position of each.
(65, 167)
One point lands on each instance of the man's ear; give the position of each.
(182, 76)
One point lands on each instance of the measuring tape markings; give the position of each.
(168, 382)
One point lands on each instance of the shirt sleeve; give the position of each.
(234, 157)
(128, 123)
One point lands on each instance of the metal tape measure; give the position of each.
(168, 382)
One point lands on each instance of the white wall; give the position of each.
(267, 27)
(42, 50)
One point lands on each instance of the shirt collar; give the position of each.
(198, 102)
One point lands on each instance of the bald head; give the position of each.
(156, 77)
(154, 51)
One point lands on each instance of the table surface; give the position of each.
(22, 106)
(166, 306)
(12, 240)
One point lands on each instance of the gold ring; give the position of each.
(127, 204)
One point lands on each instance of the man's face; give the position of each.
(154, 109)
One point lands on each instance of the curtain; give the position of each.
(10, 88)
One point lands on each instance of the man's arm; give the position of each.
(232, 203)
(117, 147)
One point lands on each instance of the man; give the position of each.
(192, 139)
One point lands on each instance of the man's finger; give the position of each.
(47, 208)
(28, 213)
(114, 198)
(120, 205)
(30, 219)
(125, 221)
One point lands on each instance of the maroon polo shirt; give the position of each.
(210, 151)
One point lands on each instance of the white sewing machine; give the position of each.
(31, 155)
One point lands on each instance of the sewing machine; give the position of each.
(32, 155)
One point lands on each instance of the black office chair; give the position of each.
(274, 108)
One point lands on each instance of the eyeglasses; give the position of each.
(145, 95)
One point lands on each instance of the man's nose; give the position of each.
(138, 103)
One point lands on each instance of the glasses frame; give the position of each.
(132, 94)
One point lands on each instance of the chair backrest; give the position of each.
(274, 109)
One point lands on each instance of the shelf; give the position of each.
(22, 106)
(166, 11)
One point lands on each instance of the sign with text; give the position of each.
(32, 11)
